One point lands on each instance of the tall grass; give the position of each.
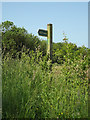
(31, 90)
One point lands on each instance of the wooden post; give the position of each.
(49, 41)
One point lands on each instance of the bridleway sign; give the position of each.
(42, 32)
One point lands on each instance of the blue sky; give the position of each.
(70, 17)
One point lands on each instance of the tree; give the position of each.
(14, 38)
(7, 25)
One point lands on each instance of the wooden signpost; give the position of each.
(47, 33)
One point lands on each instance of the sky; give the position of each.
(68, 17)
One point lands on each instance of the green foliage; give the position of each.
(63, 51)
(35, 87)
(13, 39)
(43, 45)
(30, 90)
(7, 25)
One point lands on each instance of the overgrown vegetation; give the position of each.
(31, 89)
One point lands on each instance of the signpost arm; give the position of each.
(49, 38)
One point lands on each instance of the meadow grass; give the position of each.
(29, 91)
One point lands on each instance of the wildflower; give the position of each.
(62, 113)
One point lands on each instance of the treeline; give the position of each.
(16, 39)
